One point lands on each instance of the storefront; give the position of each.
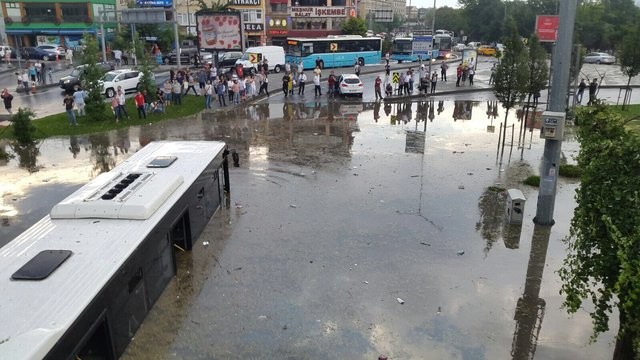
(316, 21)
(253, 16)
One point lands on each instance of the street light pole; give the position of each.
(188, 19)
(433, 33)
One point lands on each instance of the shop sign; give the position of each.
(325, 11)
(253, 27)
(245, 2)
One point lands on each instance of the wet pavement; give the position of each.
(336, 212)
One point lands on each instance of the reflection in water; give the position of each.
(491, 206)
(462, 110)
(530, 308)
(74, 146)
(103, 160)
(27, 155)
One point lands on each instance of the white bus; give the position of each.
(79, 282)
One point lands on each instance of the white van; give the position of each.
(273, 54)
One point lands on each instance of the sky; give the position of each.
(429, 3)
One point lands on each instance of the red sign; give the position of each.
(277, 32)
(547, 27)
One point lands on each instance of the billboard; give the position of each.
(219, 30)
(547, 27)
(422, 45)
(154, 3)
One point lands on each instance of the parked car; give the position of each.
(350, 84)
(32, 52)
(228, 59)
(55, 48)
(486, 50)
(459, 47)
(599, 58)
(127, 79)
(73, 82)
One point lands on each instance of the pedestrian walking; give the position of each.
(68, 105)
(140, 105)
(434, 81)
(25, 83)
(285, 84)
(356, 68)
(7, 98)
(593, 88)
(208, 93)
(580, 93)
(471, 73)
(302, 81)
(443, 71)
(220, 89)
(176, 93)
(236, 92)
(316, 84)
(331, 84)
(387, 69)
(377, 85)
(292, 82)
(78, 98)
(114, 108)
(494, 69)
(121, 103)
(117, 55)
(69, 56)
(318, 63)
(38, 66)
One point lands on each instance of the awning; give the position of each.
(48, 32)
(278, 1)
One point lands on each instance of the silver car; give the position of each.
(599, 58)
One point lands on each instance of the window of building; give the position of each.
(107, 11)
(338, 3)
(13, 11)
(309, 2)
(252, 16)
(74, 12)
(40, 12)
(279, 8)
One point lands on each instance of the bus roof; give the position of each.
(35, 314)
(335, 38)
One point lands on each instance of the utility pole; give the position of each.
(433, 34)
(561, 65)
(175, 33)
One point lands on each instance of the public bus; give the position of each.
(443, 43)
(403, 50)
(79, 283)
(334, 51)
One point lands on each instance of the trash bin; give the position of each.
(515, 206)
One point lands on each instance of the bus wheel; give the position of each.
(361, 61)
(321, 64)
(277, 69)
(399, 61)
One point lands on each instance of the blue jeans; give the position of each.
(207, 102)
(71, 116)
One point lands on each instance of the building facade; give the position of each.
(31, 23)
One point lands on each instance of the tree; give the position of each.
(94, 102)
(604, 238)
(147, 82)
(538, 74)
(511, 76)
(217, 6)
(630, 56)
(23, 129)
(354, 26)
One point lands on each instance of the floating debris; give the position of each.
(400, 301)
(461, 187)
(460, 252)
(293, 205)
(205, 243)
(365, 282)
(425, 244)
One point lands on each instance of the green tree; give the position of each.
(354, 26)
(94, 102)
(147, 82)
(630, 53)
(602, 264)
(511, 76)
(220, 6)
(23, 128)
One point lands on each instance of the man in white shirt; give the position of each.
(302, 80)
(117, 54)
(78, 99)
(316, 83)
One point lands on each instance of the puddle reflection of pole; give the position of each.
(530, 307)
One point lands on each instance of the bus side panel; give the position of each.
(131, 292)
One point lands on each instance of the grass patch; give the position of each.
(57, 125)
(630, 111)
(570, 171)
(533, 180)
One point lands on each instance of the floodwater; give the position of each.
(338, 213)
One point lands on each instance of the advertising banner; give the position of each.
(422, 45)
(325, 11)
(219, 31)
(547, 27)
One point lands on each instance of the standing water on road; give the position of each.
(337, 211)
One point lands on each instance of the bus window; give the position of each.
(307, 49)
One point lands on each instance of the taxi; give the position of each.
(486, 50)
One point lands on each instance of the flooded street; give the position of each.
(353, 230)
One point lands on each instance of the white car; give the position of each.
(350, 84)
(599, 58)
(127, 79)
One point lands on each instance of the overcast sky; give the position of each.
(429, 3)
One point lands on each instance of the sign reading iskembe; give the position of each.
(325, 11)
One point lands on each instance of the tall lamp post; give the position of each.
(433, 33)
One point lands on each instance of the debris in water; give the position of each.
(400, 301)
(365, 282)
(238, 206)
(460, 252)
(293, 205)
(355, 174)
(415, 175)
(488, 168)
(425, 244)
(205, 243)
(382, 201)
(439, 310)
(285, 327)
(262, 317)
(461, 187)
(469, 173)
